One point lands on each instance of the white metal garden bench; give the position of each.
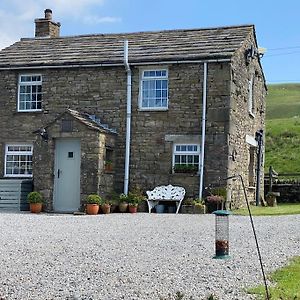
(165, 193)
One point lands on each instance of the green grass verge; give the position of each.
(281, 209)
(286, 282)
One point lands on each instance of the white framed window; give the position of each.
(18, 160)
(30, 92)
(251, 96)
(186, 158)
(154, 89)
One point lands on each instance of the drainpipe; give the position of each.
(128, 118)
(259, 138)
(204, 98)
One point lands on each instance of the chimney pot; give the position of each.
(48, 14)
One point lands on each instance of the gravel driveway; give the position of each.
(141, 256)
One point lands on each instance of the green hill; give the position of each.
(283, 128)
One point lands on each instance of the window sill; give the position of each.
(18, 176)
(251, 188)
(186, 174)
(155, 109)
(109, 172)
(29, 111)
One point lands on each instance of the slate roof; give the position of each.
(90, 121)
(168, 45)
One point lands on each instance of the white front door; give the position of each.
(67, 175)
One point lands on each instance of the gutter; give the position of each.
(128, 118)
(204, 100)
(91, 65)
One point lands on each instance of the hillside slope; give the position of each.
(283, 128)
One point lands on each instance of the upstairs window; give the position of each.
(18, 161)
(186, 158)
(154, 89)
(30, 93)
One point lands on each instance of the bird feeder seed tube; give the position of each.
(222, 234)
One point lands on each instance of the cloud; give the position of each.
(17, 17)
(91, 20)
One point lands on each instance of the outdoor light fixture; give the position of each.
(44, 134)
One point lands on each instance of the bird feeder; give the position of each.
(222, 233)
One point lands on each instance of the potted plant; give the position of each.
(187, 206)
(108, 166)
(123, 203)
(105, 206)
(35, 200)
(134, 199)
(92, 204)
(199, 206)
(216, 199)
(214, 202)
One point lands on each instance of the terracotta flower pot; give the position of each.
(123, 207)
(92, 209)
(132, 209)
(36, 208)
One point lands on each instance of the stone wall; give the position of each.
(289, 192)
(242, 123)
(102, 91)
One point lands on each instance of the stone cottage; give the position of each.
(95, 113)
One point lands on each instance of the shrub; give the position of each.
(35, 197)
(198, 202)
(123, 198)
(93, 199)
(135, 196)
(215, 199)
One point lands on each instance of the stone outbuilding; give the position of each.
(182, 107)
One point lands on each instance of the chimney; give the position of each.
(46, 27)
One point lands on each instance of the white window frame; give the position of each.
(179, 152)
(251, 97)
(14, 152)
(151, 78)
(30, 84)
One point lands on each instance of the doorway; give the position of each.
(67, 175)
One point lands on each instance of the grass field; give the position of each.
(283, 128)
(283, 101)
(286, 282)
(281, 209)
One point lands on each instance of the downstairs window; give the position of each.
(18, 161)
(186, 158)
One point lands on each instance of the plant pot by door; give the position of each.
(105, 208)
(92, 209)
(123, 207)
(132, 209)
(36, 207)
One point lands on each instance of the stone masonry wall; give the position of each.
(242, 123)
(102, 91)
